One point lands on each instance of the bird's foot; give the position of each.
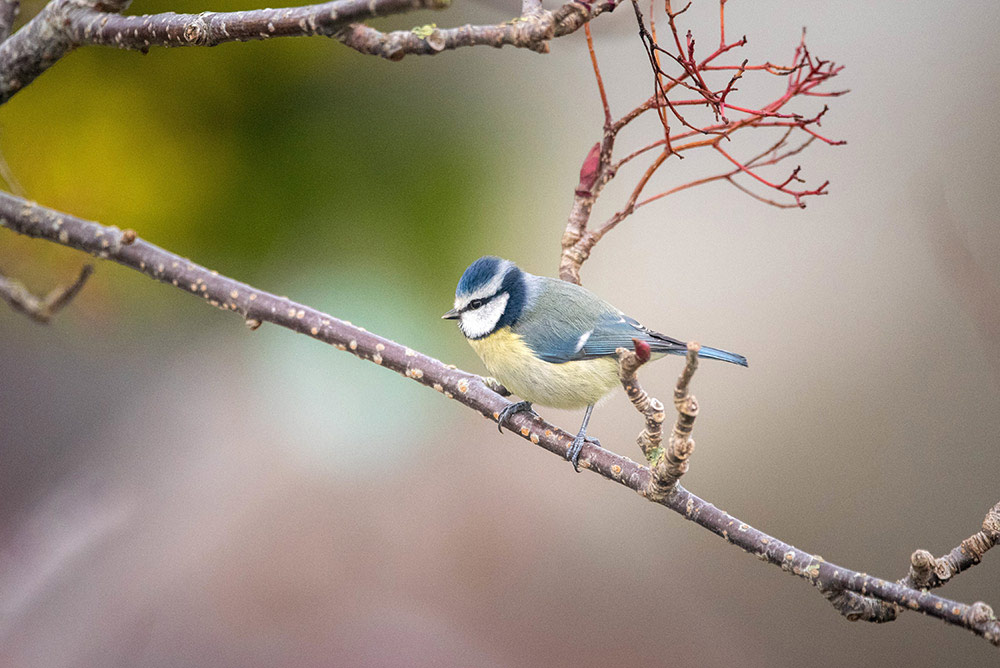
(510, 409)
(573, 454)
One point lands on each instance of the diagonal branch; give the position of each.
(89, 25)
(66, 24)
(257, 306)
(63, 25)
(42, 310)
(529, 31)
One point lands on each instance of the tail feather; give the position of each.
(716, 354)
(672, 346)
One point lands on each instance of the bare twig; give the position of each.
(63, 25)
(651, 408)
(668, 464)
(530, 31)
(255, 305)
(928, 572)
(803, 77)
(42, 310)
(673, 461)
(66, 24)
(597, 75)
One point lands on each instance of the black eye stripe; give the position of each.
(478, 303)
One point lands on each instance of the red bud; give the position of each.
(641, 350)
(589, 170)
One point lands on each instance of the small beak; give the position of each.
(451, 315)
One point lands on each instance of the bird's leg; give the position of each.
(510, 409)
(573, 454)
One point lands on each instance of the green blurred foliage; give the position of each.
(295, 157)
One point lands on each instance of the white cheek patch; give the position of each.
(483, 320)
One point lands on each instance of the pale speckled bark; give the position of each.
(90, 26)
(66, 24)
(257, 306)
(530, 31)
(33, 49)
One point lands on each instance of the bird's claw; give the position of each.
(573, 454)
(510, 409)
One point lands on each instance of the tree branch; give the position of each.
(802, 79)
(63, 25)
(42, 310)
(529, 31)
(88, 25)
(66, 24)
(255, 305)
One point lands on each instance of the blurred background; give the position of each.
(178, 491)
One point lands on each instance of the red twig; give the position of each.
(597, 75)
(680, 68)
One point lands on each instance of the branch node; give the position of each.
(922, 565)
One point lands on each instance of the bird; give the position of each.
(549, 341)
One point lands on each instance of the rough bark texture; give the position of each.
(64, 25)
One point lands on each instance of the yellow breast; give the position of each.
(568, 385)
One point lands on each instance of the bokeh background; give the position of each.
(178, 491)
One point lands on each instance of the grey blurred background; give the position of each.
(178, 491)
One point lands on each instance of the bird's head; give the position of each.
(491, 294)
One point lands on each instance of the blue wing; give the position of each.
(566, 323)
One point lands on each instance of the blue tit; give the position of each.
(551, 342)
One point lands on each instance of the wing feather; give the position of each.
(567, 323)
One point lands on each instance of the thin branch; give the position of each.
(930, 573)
(66, 24)
(597, 75)
(531, 31)
(672, 462)
(256, 305)
(803, 77)
(42, 309)
(651, 408)
(88, 25)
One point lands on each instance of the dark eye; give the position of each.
(476, 303)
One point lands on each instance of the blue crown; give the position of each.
(479, 273)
